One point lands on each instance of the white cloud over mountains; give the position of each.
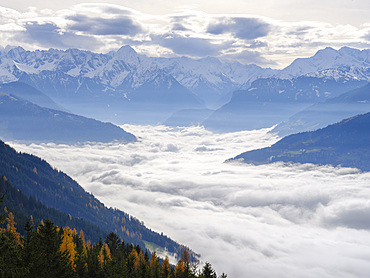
(249, 221)
(242, 37)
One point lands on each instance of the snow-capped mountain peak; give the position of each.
(325, 59)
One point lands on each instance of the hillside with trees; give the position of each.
(37, 179)
(346, 143)
(47, 250)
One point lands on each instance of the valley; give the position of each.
(176, 181)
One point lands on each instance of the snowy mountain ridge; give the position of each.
(123, 71)
(327, 58)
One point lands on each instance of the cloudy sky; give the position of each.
(266, 32)
(249, 221)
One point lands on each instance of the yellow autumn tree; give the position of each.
(10, 227)
(185, 257)
(88, 245)
(180, 269)
(83, 255)
(155, 267)
(153, 260)
(133, 260)
(166, 270)
(104, 255)
(68, 246)
(82, 236)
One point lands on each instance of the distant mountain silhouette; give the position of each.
(24, 121)
(29, 93)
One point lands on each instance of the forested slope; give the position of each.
(346, 143)
(35, 177)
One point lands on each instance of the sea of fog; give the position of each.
(249, 221)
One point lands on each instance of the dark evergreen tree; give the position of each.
(208, 271)
(113, 242)
(48, 261)
(11, 264)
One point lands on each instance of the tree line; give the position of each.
(47, 250)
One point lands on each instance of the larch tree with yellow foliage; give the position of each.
(68, 247)
(104, 255)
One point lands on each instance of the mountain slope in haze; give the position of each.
(23, 207)
(29, 93)
(24, 121)
(35, 177)
(324, 113)
(270, 101)
(188, 117)
(346, 143)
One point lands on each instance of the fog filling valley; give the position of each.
(273, 220)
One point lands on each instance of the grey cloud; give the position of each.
(123, 25)
(206, 149)
(179, 27)
(197, 47)
(171, 148)
(242, 28)
(250, 57)
(50, 35)
(300, 31)
(354, 216)
(116, 10)
(367, 36)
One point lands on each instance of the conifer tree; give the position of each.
(155, 267)
(113, 241)
(48, 261)
(208, 272)
(104, 255)
(133, 262)
(81, 255)
(11, 264)
(68, 247)
(166, 269)
(180, 269)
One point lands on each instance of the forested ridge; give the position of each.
(36, 178)
(346, 143)
(47, 250)
(23, 207)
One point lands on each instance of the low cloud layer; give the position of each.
(275, 220)
(245, 38)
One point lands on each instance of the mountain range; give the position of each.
(126, 87)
